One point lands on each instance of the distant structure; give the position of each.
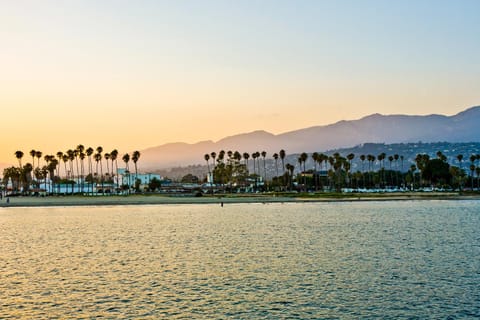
(128, 178)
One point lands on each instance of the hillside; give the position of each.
(375, 128)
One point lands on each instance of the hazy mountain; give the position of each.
(376, 128)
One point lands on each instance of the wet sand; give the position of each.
(26, 201)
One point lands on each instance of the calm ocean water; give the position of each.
(418, 259)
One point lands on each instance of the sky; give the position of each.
(136, 74)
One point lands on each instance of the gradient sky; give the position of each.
(135, 74)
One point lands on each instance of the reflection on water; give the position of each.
(340, 260)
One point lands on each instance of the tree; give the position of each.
(126, 159)
(264, 154)
(19, 156)
(113, 157)
(189, 178)
(32, 154)
(214, 156)
(304, 157)
(282, 154)
(207, 157)
(362, 158)
(437, 171)
(154, 184)
(275, 157)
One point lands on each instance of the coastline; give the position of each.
(65, 201)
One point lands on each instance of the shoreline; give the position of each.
(67, 201)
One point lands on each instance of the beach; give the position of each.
(49, 201)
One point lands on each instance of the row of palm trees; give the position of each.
(338, 169)
(80, 165)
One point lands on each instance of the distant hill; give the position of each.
(375, 128)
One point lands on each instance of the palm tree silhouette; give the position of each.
(19, 156)
(264, 154)
(282, 155)
(135, 157)
(113, 157)
(32, 154)
(275, 157)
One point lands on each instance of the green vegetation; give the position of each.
(334, 173)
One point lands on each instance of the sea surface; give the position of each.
(347, 260)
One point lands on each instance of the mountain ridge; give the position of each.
(373, 128)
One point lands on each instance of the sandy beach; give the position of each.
(27, 201)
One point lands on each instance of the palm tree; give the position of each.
(390, 159)
(214, 156)
(71, 157)
(19, 156)
(60, 159)
(316, 160)
(275, 157)
(290, 169)
(32, 154)
(98, 159)
(362, 158)
(282, 155)
(107, 157)
(89, 152)
(472, 167)
(38, 155)
(254, 156)
(65, 160)
(135, 157)
(264, 154)
(113, 157)
(126, 159)
(302, 160)
(207, 157)
(246, 156)
(82, 169)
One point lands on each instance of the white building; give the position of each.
(128, 178)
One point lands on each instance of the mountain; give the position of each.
(375, 128)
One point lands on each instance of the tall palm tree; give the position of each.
(60, 159)
(316, 160)
(71, 157)
(214, 156)
(472, 167)
(98, 159)
(32, 154)
(38, 155)
(207, 158)
(264, 154)
(113, 157)
(275, 157)
(390, 160)
(290, 169)
(254, 156)
(282, 154)
(362, 158)
(65, 160)
(82, 155)
(135, 157)
(19, 156)
(107, 157)
(350, 158)
(126, 159)
(89, 152)
(246, 156)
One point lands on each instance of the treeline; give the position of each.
(80, 166)
(334, 172)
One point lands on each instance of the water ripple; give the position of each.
(411, 260)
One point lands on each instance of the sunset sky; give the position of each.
(136, 74)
